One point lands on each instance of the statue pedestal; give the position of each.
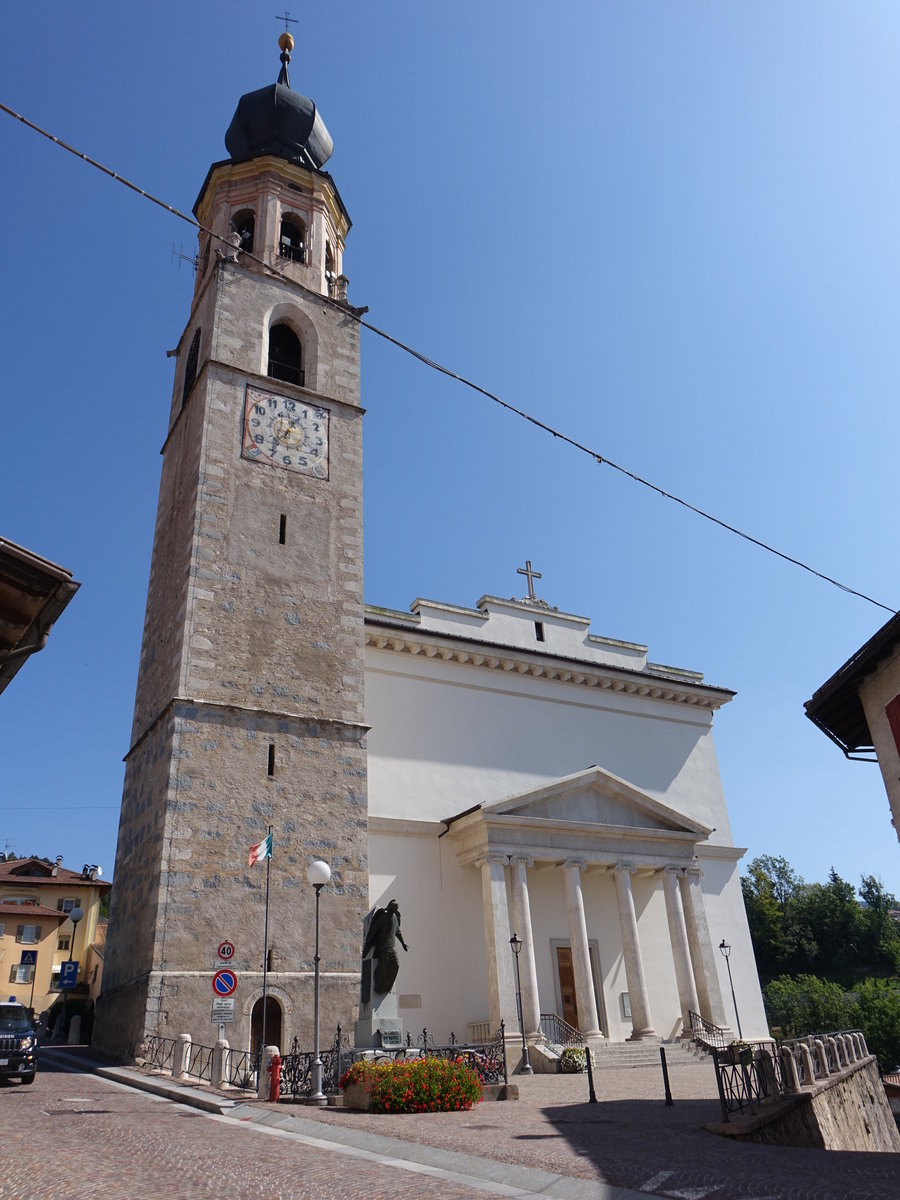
(379, 1025)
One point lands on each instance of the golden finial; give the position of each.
(286, 43)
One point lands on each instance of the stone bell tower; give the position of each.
(249, 707)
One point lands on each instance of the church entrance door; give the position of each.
(566, 973)
(565, 981)
(273, 1025)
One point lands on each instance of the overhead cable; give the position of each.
(357, 315)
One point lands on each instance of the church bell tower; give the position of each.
(249, 706)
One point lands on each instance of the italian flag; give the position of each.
(260, 851)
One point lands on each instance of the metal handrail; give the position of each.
(708, 1033)
(559, 1032)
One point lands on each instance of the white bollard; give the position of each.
(181, 1066)
(262, 1082)
(218, 1070)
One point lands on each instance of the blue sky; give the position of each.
(669, 230)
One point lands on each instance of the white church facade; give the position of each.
(498, 770)
(530, 778)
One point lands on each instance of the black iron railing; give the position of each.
(707, 1033)
(750, 1073)
(289, 372)
(487, 1059)
(746, 1075)
(159, 1052)
(241, 1069)
(292, 252)
(199, 1061)
(296, 1068)
(559, 1032)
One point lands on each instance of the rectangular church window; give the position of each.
(539, 630)
(282, 529)
(271, 761)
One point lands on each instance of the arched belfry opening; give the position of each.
(285, 355)
(292, 240)
(244, 225)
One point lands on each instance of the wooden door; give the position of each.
(273, 1025)
(567, 985)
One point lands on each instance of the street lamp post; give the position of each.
(526, 1067)
(726, 952)
(317, 873)
(74, 916)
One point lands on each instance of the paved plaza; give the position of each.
(551, 1142)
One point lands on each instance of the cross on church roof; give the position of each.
(288, 19)
(531, 575)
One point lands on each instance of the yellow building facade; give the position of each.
(38, 935)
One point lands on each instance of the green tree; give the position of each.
(796, 1007)
(878, 932)
(771, 889)
(878, 1016)
(831, 914)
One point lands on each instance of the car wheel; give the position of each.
(27, 1078)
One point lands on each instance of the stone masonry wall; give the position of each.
(848, 1111)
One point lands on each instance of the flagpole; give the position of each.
(262, 1047)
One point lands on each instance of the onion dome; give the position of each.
(277, 120)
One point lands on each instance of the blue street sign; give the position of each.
(224, 982)
(29, 958)
(68, 975)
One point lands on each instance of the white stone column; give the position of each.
(501, 983)
(585, 996)
(521, 909)
(641, 1023)
(703, 955)
(681, 954)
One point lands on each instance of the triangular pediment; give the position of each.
(595, 797)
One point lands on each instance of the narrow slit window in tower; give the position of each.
(271, 770)
(539, 630)
(282, 529)
(285, 360)
(190, 367)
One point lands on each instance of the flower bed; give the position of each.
(415, 1085)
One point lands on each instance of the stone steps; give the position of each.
(623, 1055)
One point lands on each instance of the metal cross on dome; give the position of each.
(288, 19)
(531, 575)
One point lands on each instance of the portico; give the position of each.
(593, 838)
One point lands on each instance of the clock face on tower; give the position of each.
(287, 433)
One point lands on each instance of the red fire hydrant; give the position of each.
(274, 1078)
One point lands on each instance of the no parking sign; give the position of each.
(224, 982)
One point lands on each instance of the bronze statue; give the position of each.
(384, 933)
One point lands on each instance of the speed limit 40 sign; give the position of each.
(225, 951)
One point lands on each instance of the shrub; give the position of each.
(572, 1060)
(416, 1085)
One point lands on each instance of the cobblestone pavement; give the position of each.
(549, 1142)
(630, 1139)
(79, 1137)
